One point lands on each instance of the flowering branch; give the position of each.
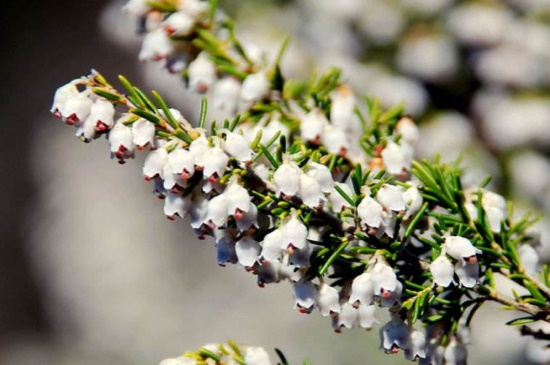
(306, 185)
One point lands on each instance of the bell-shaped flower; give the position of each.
(182, 360)
(348, 316)
(217, 211)
(62, 94)
(366, 316)
(225, 246)
(237, 146)
(455, 353)
(461, 249)
(268, 272)
(154, 164)
(76, 109)
(322, 175)
(255, 87)
(310, 191)
(442, 271)
(121, 141)
(408, 130)
(370, 212)
(272, 249)
(342, 108)
(238, 199)
(156, 46)
(143, 132)
(335, 140)
(172, 182)
(102, 114)
(394, 335)
(468, 273)
(385, 284)
(287, 178)
(495, 208)
(137, 8)
(86, 131)
(417, 346)
(215, 164)
(178, 24)
(328, 300)
(391, 197)
(226, 94)
(199, 211)
(201, 73)
(294, 233)
(304, 296)
(312, 125)
(176, 205)
(194, 8)
(397, 158)
(362, 290)
(182, 163)
(413, 200)
(337, 201)
(300, 258)
(255, 356)
(199, 149)
(247, 250)
(247, 219)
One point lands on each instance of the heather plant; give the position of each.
(308, 183)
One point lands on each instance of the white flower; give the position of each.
(215, 164)
(294, 233)
(468, 274)
(312, 124)
(397, 158)
(287, 178)
(195, 8)
(237, 146)
(247, 250)
(362, 290)
(455, 353)
(217, 211)
(391, 197)
(366, 316)
(414, 201)
(178, 24)
(300, 258)
(394, 335)
(529, 258)
(225, 247)
(370, 212)
(255, 87)
(179, 361)
(201, 73)
(304, 296)
(310, 191)
(172, 181)
(328, 300)
(181, 162)
(461, 249)
(86, 131)
(442, 271)
(348, 316)
(322, 174)
(102, 114)
(238, 199)
(176, 204)
(417, 346)
(199, 212)
(385, 284)
(335, 140)
(255, 356)
(121, 141)
(245, 220)
(76, 109)
(62, 94)
(343, 107)
(199, 148)
(268, 272)
(156, 46)
(143, 132)
(408, 130)
(154, 164)
(226, 94)
(137, 8)
(271, 246)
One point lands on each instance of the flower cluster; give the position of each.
(218, 354)
(307, 185)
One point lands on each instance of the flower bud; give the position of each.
(178, 24)
(156, 46)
